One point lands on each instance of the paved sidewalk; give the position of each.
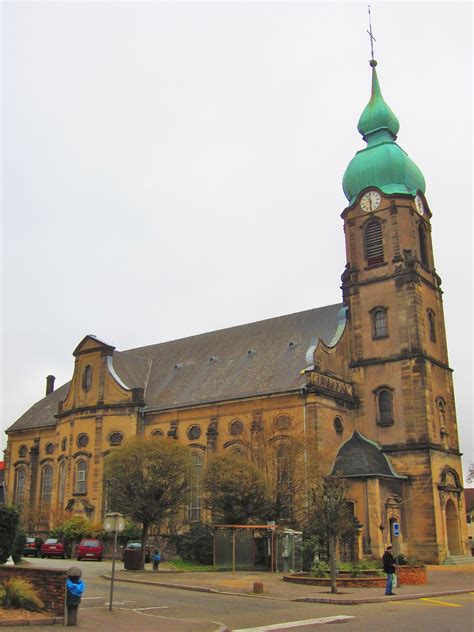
(442, 580)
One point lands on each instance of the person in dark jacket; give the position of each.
(388, 562)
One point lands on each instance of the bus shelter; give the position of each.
(257, 548)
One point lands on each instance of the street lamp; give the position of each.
(115, 522)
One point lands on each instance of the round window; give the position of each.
(22, 451)
(236, 427)
(63, 444)
(157, 433)
(282, 423)
(194, 432)
(82, 440)
(116, 438)
(338, 425)
(49, 448)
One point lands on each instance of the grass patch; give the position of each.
(182, 565)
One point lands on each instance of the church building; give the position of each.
(365, 384)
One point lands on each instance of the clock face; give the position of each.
(420, 209)
(370, 201)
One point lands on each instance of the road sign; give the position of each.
(114, 521)
(396, 528)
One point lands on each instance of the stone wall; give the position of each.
(406, 575)
(50, 584)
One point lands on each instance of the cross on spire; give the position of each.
(372, 39)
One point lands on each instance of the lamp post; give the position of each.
(115, 522)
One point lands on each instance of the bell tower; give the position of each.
(398, 350)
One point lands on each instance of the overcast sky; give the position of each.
(174, 168)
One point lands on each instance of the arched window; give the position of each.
(62, 484)
(373, 243)
(194, 507)
(87, 378)
(284, 483)
(431, 324)
(384, 407)
(81, 477)
(423, 239)
(441, 406)
(46, 487)
(20, 479)
(379, 323)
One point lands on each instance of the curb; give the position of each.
(10, 623)
(331, 600)
(195, 588)
(356, 602)
(162, 584)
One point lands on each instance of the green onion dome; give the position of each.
(382, 164)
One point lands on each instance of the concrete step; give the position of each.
(459, 559)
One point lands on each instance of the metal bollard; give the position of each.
(74, 589)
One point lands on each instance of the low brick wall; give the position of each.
(406, 575)
(411, 575)
(354, 582)
(50, 583)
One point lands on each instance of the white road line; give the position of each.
(296, 624)
(86, 598)
(150, 608)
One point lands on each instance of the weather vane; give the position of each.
(372, 39)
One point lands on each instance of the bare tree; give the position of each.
(147, 480)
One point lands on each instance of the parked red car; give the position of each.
(32, 547)
(54, 548)
(90, 550)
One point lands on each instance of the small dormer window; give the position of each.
(87, 378)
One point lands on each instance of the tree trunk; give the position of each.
(332, 563)
(144, 540)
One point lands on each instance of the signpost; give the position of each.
(395, 534)
(115, 522)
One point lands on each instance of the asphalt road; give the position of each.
(150, 608)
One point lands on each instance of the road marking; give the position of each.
(86, 598)
(296, 624)
(441, 603)
(150, 608)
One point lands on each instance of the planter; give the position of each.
(406, 575)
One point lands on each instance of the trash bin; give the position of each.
(132, 559)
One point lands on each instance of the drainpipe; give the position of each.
(305, 451)
(367, 517)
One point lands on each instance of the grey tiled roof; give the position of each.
(42, 413)
(246, 360)
(360, 457)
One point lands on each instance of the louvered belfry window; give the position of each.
(374, 243)
(423, 246)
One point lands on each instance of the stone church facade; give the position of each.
(365, 385)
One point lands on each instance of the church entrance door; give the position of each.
(452, 528)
